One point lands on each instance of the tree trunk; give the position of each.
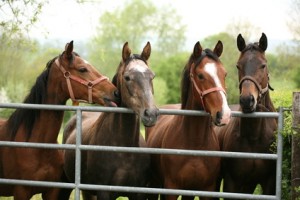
(296, 147)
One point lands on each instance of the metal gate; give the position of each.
(78, 147)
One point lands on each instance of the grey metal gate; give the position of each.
(78, 147)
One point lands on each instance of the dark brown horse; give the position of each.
(250, 134)
(134, 81)
(66, 76)
(203, 89)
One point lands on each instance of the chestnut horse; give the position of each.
(134, 82)
(66, 76)
(203, 89)
(254, 135)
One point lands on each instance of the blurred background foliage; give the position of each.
(23, 58)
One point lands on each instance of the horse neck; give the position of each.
(196, 128)
(125, 129)
(47, 126)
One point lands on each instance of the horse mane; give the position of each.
(37, 95)
(252, 47)
(185, 81)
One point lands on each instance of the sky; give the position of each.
(68, 20)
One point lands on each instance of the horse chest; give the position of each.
(249, 169)
(36, 164)
(117, 168)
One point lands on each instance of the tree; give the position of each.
(245, 27)
(294, 21)
(170, 71)
(137, 22)
(17, 17)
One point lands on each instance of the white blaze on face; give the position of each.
(211, 69)
(138, 65)
(85, 61)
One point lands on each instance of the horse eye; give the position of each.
(263, 66)
(200, 76)
(127, 78)
(82, 70)
(238, 67)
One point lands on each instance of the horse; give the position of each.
(254, 135)
(134, 82)
(203, 89)
(65, 76)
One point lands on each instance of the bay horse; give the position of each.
(245, 134)
(203, 89)
(66, 76)
(134, 82)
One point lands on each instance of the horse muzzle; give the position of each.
(248, 103)
(149, 117)
(222, 118)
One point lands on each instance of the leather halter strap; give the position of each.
(261, 90)
(89, 84)
(205, 92)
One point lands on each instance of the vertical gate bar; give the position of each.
(78, 154)
(279, 153)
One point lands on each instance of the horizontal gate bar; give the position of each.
(126, 110)
(138, 189)
(142, 150)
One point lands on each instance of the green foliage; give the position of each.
(18, 17)
(160, 90)
(282, 97)
(20, 64)
(170, 71)
(137, 22)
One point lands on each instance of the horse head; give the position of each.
(206, 76)
(253, 72)
(134, 81)
(81, 81)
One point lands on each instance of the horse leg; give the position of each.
(88, 196)
(64, 193)
(188, 198)
(230, 185)
(22, 193)
(268, 186)
(52, 194)
(104, 195)
(153, 197)
(170, 185)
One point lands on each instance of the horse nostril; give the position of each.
(219, 117)
(247, 101)
(147, 112)
(117, 93)
(251, 100)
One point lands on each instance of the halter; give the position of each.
(205, 92)
(89, 84)
(261, 91)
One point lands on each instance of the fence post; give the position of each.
(295, 179)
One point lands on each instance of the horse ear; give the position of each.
(218, 50)
(69, 50)
(126, 52)
(263, 42)
(197, 50)
(241, 44)
(146, 51)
